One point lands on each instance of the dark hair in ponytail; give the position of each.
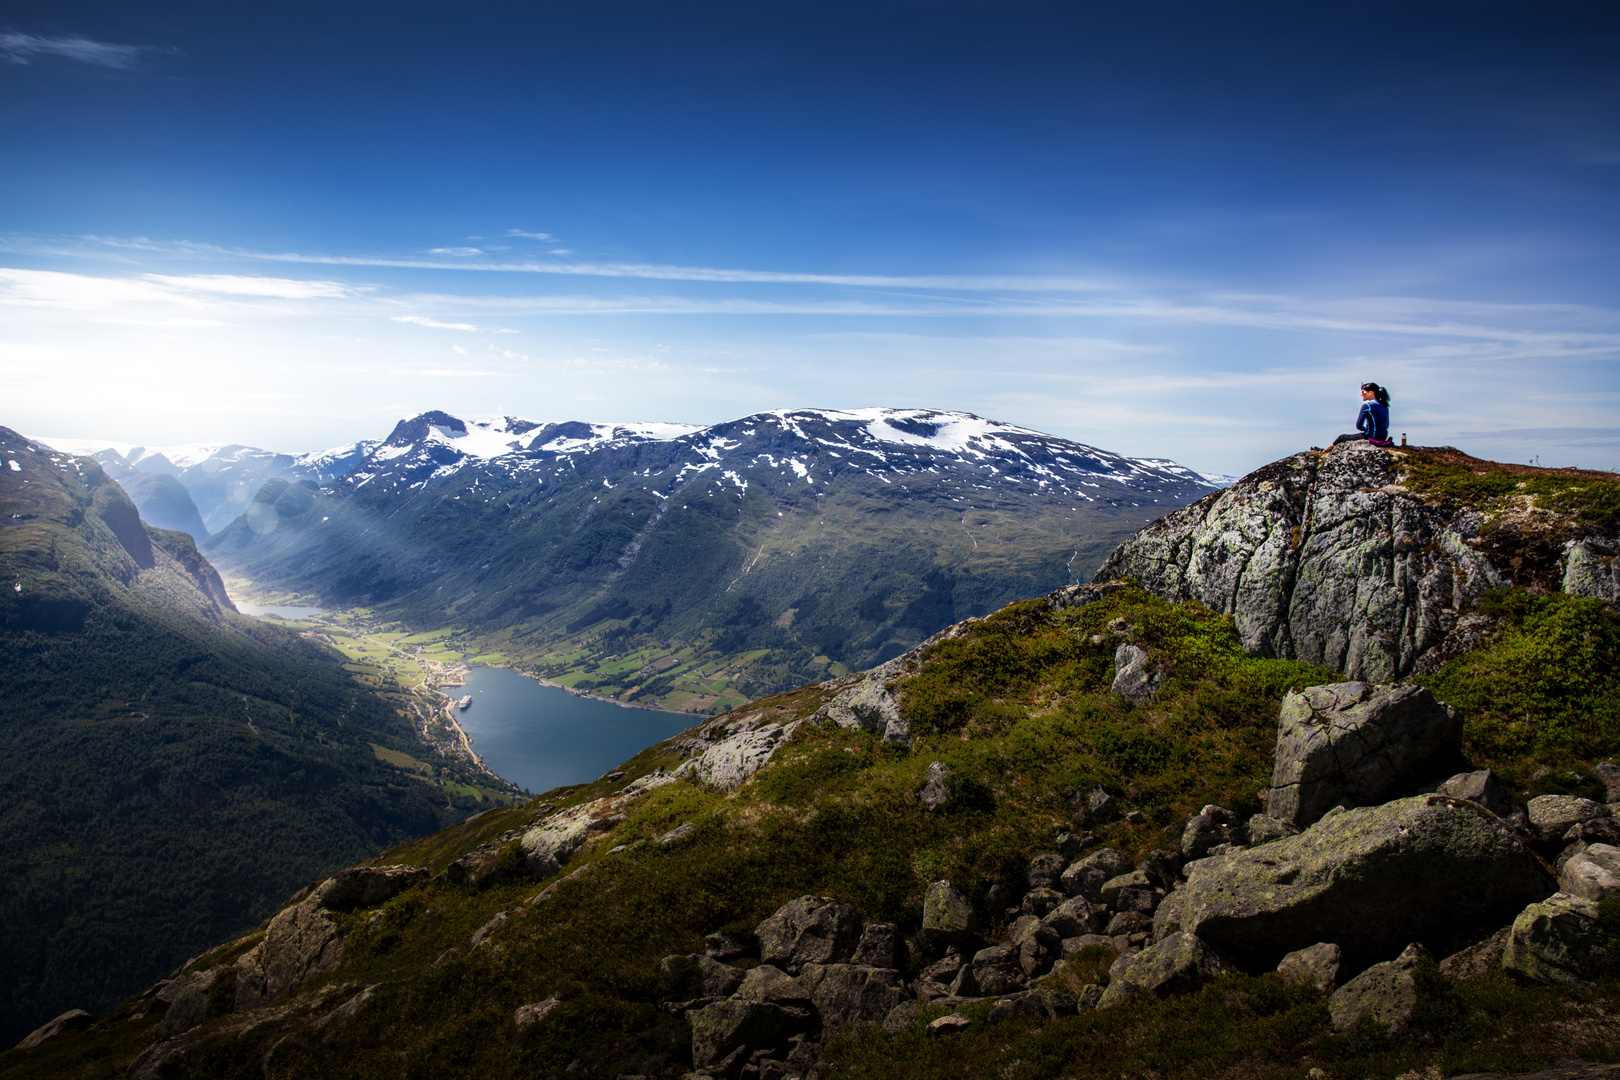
(1379, 392)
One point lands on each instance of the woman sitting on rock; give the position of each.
(1372, 425)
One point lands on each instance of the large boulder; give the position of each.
(1355, 743)
(809, 930)
(1179, 963)
(853, 993)
(1563, 939)
(1371, 879)
(1385, 994)
(1323, 557)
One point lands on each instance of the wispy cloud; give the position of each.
(423, 320)
(20, 48)
(530, 235)
(455, 251)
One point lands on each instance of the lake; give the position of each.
(540, 737)
(291, 612)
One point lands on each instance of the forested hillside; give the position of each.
(171, 768)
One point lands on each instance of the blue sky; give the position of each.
(1170, 229)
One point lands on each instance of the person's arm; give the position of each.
(1364, 419)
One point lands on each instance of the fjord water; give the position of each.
(541, 737)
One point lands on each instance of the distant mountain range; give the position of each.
(691, 567)
(218, 480)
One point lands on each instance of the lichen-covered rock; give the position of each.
(809, 930)
(1316, 966)
(853, 993)
(1086, 877)
(1210, 828)
(1563, 939)
(741, 754)
(1593, 874)
(866, 699)
(1371, 879)
(1386, 994)
(1481, 786)
(549, 845)
(188, 997)
(1179, 963)
(1551, 816)
(947, 914)
(1354, 743)
(1039, 946)
(1323, 558)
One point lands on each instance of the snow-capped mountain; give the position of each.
(792, 444)
(782, 546)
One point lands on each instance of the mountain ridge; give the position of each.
(775, 548)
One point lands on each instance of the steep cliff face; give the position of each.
(1361, 560)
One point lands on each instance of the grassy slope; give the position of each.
(172, 768)
(1019, 709)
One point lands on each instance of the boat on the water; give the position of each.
(464, 701)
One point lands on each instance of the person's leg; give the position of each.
(1355, 437)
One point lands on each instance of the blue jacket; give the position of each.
(1374, 420)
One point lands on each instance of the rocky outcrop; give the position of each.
(1354, 744)
(303, 943)
(72, 1020)
(1327, 558)
(1370, 879)
(866, 700)
(549, 845)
